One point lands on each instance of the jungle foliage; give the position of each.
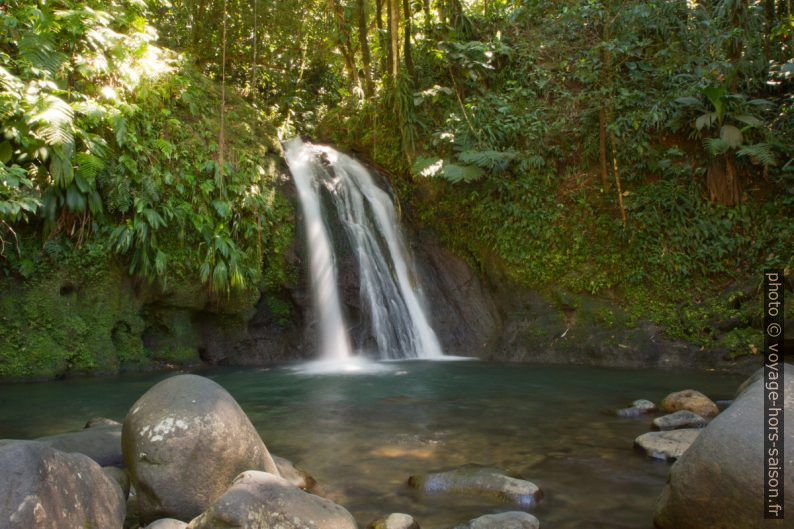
(639, 150)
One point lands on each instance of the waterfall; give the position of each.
(388, 284)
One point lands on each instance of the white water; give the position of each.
(388, 284)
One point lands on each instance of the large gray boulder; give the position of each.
(102, 443)
(184, 442)
(475, 480)
(504, 520)
(718, 482)
(44, 488)
(259, 500)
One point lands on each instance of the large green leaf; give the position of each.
(731, 135)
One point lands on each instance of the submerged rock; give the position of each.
(678, 420)
(184, 442)
(667, 445)
(719, 481)
(44, 488)
(395, 520)
(691, 400)
(259, 500)
(167, 523)
(505, 520)
(479, 481)
(638, 407)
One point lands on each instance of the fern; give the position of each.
(493, 161)
(762, 152)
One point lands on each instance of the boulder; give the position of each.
(100, 442)
(120, 476)
(44, 488)
(691, 400)
(395, 520)
(719, 481)
(184, 441)
(167, 523)
(678, 420)
(504, 520)
(667, 445)
(296, 475)
(259, 500)
(475, 480)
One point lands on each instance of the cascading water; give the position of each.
(387, 282)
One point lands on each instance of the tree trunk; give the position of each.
(344, 43)
(602, 147)
(222, 132)
(722, 180)
(394, 39)
(364, 46)
(409, 62)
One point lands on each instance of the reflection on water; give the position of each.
(362, 436)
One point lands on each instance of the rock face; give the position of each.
(719, 481)
(184, 441)
(43, 488)
(505, 520)
(460, 305)
(667, 445)
(691, 400)
(395, 520)
(479, 481)
(258, 500)
(679, 419)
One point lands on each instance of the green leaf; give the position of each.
(688, 101)
(731, 135)
(5, 152)
(748, 119)
(706, 120)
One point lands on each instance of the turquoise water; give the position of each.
(362, 435)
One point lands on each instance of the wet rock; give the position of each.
(691, 400)
(667, 445)
(101, 421)
(481, 481)
(505, 520)
(259, 500)
(44, 488)
(295, 475)
(167, 523)
(101, 442)
(394, 520)
(678, 420)
(719, 481)
(184, 442)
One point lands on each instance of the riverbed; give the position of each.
(363, 433)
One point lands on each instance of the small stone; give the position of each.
(167, 523)
(505, 520)
(394, 520)
(678, 420)
(691, 400)
(644, 405)
(668, 445)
